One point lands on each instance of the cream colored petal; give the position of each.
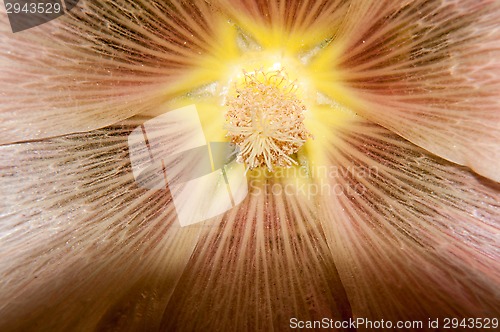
(104, 62)
(82, 246)
(264, 263)
(413, 236)
(427, 70)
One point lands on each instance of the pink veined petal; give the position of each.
(104, 62)
(81, 245)
(413, 236)
(262, 264)
(291, 17)
(429, 71)
(89, 249)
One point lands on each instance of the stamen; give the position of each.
(265, 119)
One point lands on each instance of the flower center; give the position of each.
(265, 119)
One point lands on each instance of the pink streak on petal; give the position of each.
(430, 71)
(262, 264)
(81, 245)
(103, 63)
(413, 236)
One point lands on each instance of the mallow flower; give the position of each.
(368, 134)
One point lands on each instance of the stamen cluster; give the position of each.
(265, 120)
